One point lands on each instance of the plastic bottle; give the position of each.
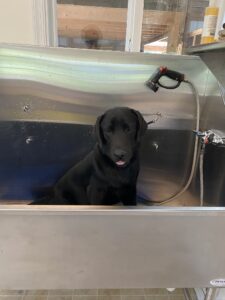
(210, 20)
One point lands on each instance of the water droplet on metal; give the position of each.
(26, 108)
(29, 140)
(155, 145)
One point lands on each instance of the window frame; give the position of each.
(135, 13)
(45, 24)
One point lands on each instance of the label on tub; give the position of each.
(218, 282)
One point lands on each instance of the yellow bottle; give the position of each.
(210, 20)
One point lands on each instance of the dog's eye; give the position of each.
(109, 129)
(126, 129)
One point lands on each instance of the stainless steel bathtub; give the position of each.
(49, 100)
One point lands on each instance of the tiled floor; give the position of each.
(97, 294)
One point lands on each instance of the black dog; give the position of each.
(108, 174)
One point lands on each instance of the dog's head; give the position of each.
(119, 132)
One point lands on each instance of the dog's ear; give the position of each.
(142, 124)
(98, 131)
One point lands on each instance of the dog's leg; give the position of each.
(128, 196)
(96, 194)
(71, 194)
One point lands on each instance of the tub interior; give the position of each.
(34, 155)
(50, 99)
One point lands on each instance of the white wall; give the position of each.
(16, 21)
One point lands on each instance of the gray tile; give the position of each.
(60, 297)
(177, 297)
(60, 292)
(193, 294)
(11, 297)
(86, 297)
(11, 292)
(36, 292)
(132, 292)
(129, 297)
(87, 292)
(109, 292)
(156, 292)
(155, 297)
(35, 297)
(176, 292)
(109, 297)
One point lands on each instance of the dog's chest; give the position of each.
(116, 178)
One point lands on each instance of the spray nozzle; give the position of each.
(153, 83)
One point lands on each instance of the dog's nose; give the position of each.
(119, 153)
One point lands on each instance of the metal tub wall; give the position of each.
(50, 99)
(75, 248)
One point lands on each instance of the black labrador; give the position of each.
(108, 174)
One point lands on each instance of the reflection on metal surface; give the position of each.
(50, 99)
(64, 248)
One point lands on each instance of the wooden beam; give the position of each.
(80, 28)
(91, 13)
(88, 21)
(176, 31)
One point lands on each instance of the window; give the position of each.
(194, 22)
(163, 25)
(99, 24)
(160, 26)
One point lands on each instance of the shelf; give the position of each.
(213, 55)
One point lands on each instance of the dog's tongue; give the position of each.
(120, 163)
